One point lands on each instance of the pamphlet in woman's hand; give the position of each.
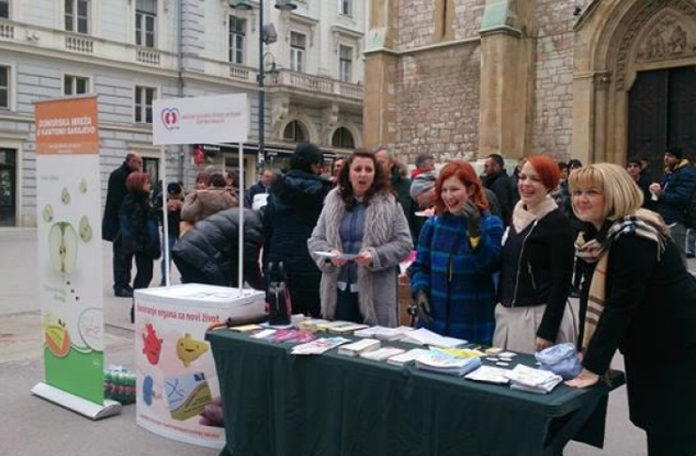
(337, 256)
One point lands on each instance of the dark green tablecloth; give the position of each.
(281, 405)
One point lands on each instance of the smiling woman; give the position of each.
(638, 297)
(537, 265)
(458, 252)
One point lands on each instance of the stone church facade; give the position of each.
(598, 80)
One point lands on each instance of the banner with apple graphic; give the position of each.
(68, 202)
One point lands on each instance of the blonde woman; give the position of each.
(642, 300)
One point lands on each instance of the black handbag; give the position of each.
(278, 296)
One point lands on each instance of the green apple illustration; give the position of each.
(47, 213)
(65, 196)
(85, 229)
(83, 186)
(62, 245)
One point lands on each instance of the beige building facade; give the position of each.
(595, 79)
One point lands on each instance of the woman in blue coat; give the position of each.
(458, 253)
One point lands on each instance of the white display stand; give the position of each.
(175, 371)
(75, 403)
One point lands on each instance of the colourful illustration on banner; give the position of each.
(69, 255)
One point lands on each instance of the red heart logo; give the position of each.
(170, 117)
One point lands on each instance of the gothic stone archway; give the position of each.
(613, 42)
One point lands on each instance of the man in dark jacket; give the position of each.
(401, 185)
(674, 193)
(115, 194)
(500, 183)
(262, 186)
(209, 253)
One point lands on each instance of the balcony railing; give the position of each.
(239, 73)
(147, 56)
(6, 30)
(79, 44)
(320, 84)
(350, 90)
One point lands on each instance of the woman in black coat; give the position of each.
(294, 205)
(643, 302)
(537, 265)
(139, 227)
(208, 253)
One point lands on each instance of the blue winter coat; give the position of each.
(457, 278)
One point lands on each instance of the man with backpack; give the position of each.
(674, 195)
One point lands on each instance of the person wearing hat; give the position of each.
(422, 193)
(634, 167)
(672, 195)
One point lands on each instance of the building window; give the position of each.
(342, 137)
(237, 39)
(77, 16)
(345, 7)
(145, 19)
(295, 132)
(298, 44)
(75, 85)
(4, 87)
(345, 63)
(143, 104)
(5, 9)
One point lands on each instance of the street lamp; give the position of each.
(267, 35)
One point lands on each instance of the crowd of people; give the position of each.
(496, 256)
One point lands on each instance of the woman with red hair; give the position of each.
(537, 266)
(139, 228)
(458, 253)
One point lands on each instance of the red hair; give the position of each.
(467, 176)
(136, 182)
(547, 169)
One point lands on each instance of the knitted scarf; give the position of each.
(642, 223)
(522, 217)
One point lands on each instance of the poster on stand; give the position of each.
(68, 202)
(175, 371)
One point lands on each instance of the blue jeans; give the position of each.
(172, 242)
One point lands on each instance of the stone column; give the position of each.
(507, 77)
(381, 73)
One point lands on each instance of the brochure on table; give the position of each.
(175, 371)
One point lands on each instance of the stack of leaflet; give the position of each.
(382, 354)
(527, 378)
(408, 357)
(489, 374)
(442, 363)
(383, 333)
(310, 324)
(339, 327)
(422, 336)
(359, 347)
(318, 346)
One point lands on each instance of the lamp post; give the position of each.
(266, 36)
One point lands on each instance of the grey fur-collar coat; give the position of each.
(386, 236)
